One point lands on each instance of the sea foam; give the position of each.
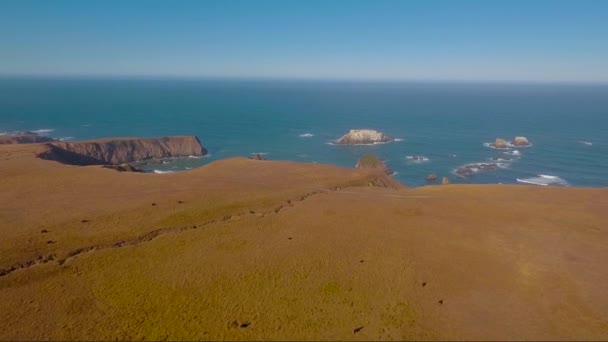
(43, 131)
(163, 172)
(417, 159)
(544, 180)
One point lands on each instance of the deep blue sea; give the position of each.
(448, 123)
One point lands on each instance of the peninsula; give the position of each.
(245, 249)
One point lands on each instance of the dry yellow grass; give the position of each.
(281, 250)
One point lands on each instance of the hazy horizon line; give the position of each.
(159, 77)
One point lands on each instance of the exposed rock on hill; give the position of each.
(432, 177)
(364, 136)
(122, 150)
(24, 138)
(446, 181)
(371, 162)
(258, 157)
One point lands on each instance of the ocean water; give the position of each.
(447, 123)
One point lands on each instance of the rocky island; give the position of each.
(364, 137)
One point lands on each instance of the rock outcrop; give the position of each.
(364, 136)
(500, 143)
(116, 151)
(445, 181)
(24, 138)
(432, 177)
(258, 157)
(520, 141)
(371, 162)
(123, 168)
(471, 169)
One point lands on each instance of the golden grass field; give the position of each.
(269, 250)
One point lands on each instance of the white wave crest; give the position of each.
(65, 138)
(398, 140)
(163, 172)
(544, 180)
(260, 153)
(43, 131)
(417, 159)
(588, 143)
(513, 153)
(306, 135)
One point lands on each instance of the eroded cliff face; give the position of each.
(122, 150)
(24, 138)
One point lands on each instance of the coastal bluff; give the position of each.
(122, 150)
(24, 138)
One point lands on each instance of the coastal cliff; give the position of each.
(122, 150)
(24, 138)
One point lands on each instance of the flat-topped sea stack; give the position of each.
(520, 141)
(371, 162)
(24, 138)
(116, 151)
(364, 137)
(500, 143)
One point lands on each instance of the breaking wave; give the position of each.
(163, 172)
(543, 180)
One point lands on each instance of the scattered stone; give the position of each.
(440, 301)
(123, 168)
(84, 221)
(357, 330)
(44, 231)
(153, 204)
(289, 238)
(50, 242)
(445, 181)
(471, 169)
(424, 284)
(245, 324)
(180, 202)
(432, 177)
(362, 261)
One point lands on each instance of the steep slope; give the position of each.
(122, 150)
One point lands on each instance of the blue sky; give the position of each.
(339, 39)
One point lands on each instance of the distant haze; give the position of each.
(381, 40)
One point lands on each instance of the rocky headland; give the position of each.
(116, 151)
(371, 162)
(364, 137)
(24, 138)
